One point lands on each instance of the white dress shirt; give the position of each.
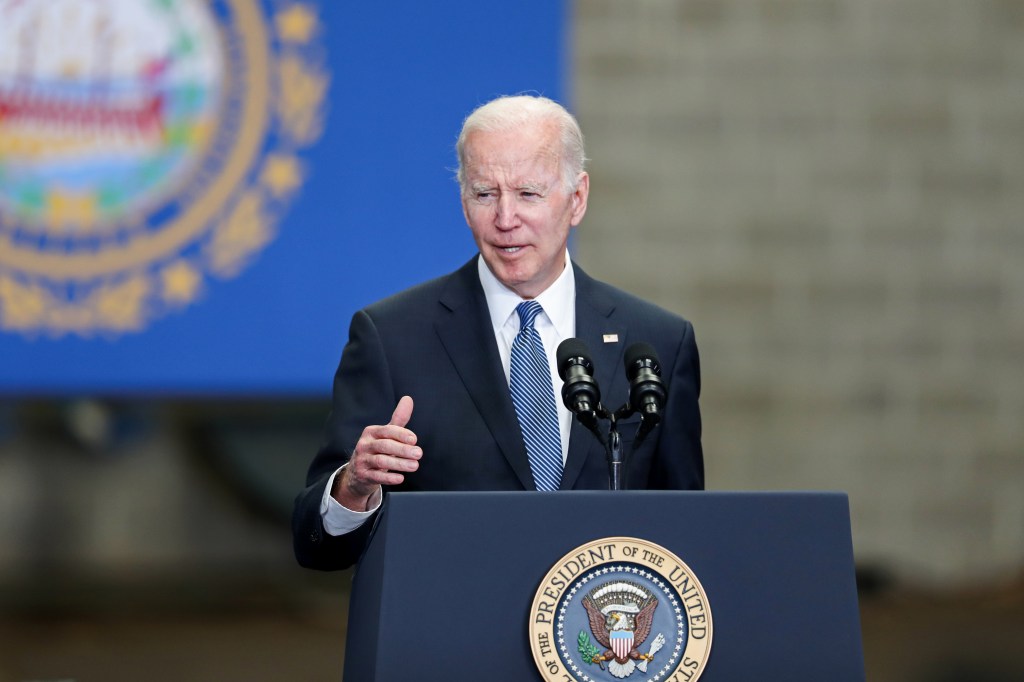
(557, 323)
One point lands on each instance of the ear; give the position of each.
(579, 199)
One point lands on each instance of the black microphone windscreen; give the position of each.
(641, 351)
(570, 348)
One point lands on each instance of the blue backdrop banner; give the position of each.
(196, 195)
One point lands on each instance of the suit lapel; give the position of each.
(606, 340)
(466, 333)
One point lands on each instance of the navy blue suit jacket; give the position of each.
(435, 342)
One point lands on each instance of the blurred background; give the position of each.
(830, 190)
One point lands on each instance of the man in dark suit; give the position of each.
(422, 397)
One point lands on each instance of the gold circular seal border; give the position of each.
(617, 550)
(228, 220)
(143, 250)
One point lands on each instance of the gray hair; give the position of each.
(510, 112)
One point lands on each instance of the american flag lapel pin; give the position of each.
(610, 338)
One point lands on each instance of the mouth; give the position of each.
(510, 249)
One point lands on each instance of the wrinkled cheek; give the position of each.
(479, 216)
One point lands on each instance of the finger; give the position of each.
(402, 413)
(363, 484)
(399, 463)
(372, 470)
(373, 435)
(387, 440)
(395, 448)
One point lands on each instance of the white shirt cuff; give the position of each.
(339, 519)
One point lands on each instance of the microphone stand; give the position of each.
(612, 443)
(616, 460)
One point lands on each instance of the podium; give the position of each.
(445, 588)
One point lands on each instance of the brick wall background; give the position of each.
(833, 192)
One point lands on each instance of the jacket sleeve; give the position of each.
(362, 396)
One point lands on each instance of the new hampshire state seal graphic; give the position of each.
(620, 608)
(147, 147)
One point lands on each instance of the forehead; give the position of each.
(528, 149)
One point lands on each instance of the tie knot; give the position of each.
(528, 312)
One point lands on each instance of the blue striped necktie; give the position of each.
(534, 400)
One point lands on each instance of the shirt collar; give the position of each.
(558, 300)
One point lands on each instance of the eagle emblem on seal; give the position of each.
(621, 614)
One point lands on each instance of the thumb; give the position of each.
(402, 413)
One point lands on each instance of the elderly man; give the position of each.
(452, 385)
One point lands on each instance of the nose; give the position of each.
(507, 216)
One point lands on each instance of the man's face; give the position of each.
(517, 206)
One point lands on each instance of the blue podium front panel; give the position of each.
(445, 590)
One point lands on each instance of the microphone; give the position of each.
(579, 390)
(646, 389)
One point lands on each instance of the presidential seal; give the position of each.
(145, 147)
(620, 608)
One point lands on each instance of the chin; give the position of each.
(510, 277)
